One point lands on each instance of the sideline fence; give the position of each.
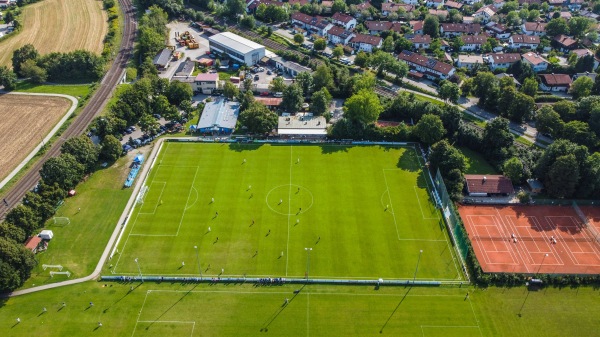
(452, 221)
(586, 221)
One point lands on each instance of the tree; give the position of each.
(566, 110)
(429, 129)
(23, 54)
(338, 6)
(12, 232)
(457, 43)
(513, 19)
(513, 169)
(578, 26)
(9, 17)
(293, 98)
(581, 87)
(84, 151)
(8, 79)
(338, 52)
(16, 263)
(579, 132)
(388, 44)
(320, 44)
(234, 7)
(64, 170)
(25, 218)
(277, 84)
(248, 22)
(110, 149)
(446, 158)
(563, 177)
(449, 91)
(230, 90)
(498, 140)
(365, 81)
(487, 89)
(521, 70)
(557, 27)
(258, 119)
(363, 107)
(299, 38)
(431, 26)
(147, 68)
(323, 78)
(548, 121)
(361, 59)
(179, 92)
(530, 87)
(30, 70)
(321, 100)
(305, 81)
(594, 120)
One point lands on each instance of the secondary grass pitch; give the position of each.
(365, 212)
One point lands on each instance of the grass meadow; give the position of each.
(364, 211)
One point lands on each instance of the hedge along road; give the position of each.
(79, 125)
(45, 140)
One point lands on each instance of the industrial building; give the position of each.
(238, 48)
(219, 117)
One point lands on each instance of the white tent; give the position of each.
(46, 234)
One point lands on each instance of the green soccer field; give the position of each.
(365, 212)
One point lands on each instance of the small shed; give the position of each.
(162, 59)
(479, 185)
(535, 185)
(34, 243)
(46, 234)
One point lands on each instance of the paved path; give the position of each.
(52, 132)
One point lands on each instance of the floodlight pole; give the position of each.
(417, 268)
(139, 269)
(198, 261)
(541, 264)
(307, 261)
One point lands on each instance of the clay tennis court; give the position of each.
(533, 239)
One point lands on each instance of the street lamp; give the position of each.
(541, 264)
(139, 269)
(307, 261)
(198, 261)
(417, 268)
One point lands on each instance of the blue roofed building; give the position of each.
(219, 117)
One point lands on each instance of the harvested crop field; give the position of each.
(59, 25)
(25, 121)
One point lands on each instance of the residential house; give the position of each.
(501, 60)
(434, 3)
(468, 20)
(587, 74)
(456, 29)
(453, 5)
(206, 83)
(523, 41)
(365, 6)
(563, 15)
(344, 20)
(471, 2)
(469, 61)
(537, 62)
(534, 28)
(392, 7)
(299, 2)
(440, 13)
(555, 82)
(430, 67)
(564, 43)
(366, 43)
(411, 2)
(586, 52)
(485, 13)
(497, 30)
(498, 3)
(589, 14)
(420, 41)
(575, 5)
(326, 6)
(376, 27)
(503, 75)
(338, 35)
(472, 42)
(313, 25)
(530, 2)
(417, 26)
(556, 4)
(252, 5)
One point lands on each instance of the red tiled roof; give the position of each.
(566, 41)
(304, 18)
(453, 4)
(269, 101)
(534, 58)
(416, 25)
(33, 242)
(424, 61)
(207, 77)
(556, 80)
(492, 184)
(474, 39)
(535, 26)
(421, 38)
(466, 28)
(520, 38)
(345, 18)
(338, 31)
(367, 39)
(505, 57)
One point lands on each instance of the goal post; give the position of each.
(61, 220)
(142, 195)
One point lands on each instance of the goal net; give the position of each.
(61, 220)
(142, 195)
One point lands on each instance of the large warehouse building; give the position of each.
(237, 47)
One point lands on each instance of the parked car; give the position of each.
(256, 77)
(278, 94)
(157, 116)
(269, 72)
(264, 93)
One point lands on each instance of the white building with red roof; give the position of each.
(430, 67)
(344, 20)
(537, 62)
(366, 43)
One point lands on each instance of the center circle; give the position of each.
(289, 199)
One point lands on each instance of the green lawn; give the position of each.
(317, 310)
(78, 246)
(334, 200)
(76, 90)
(427, 99)
(476, 163)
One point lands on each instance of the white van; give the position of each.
(278, 94)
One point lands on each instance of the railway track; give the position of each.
(95, 105)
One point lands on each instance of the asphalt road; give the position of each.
(95, 105)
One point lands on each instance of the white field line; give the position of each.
(421, 207)
(287, 246)
(307, 314)
(140, 312)
(391, 204)
(515, 247)
(186, 201)
(159, 197)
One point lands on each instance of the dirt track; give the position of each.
(25, 121)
